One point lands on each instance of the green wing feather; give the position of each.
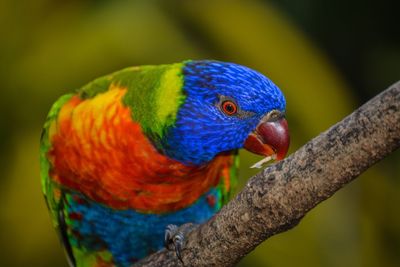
(54, 203)
(227, 191)
(45, 165)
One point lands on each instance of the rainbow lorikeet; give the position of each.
(146, 147)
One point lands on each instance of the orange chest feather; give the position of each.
(98, 150)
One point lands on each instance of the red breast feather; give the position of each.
(98, 150)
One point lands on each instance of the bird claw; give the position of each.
(174, 237)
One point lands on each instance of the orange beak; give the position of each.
(270, 138)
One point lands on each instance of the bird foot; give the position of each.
(174, 238)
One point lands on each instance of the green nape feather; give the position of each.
(154, 94)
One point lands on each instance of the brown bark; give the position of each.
(278, 197)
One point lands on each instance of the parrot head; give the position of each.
(226, 107)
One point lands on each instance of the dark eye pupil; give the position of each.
(229, 108)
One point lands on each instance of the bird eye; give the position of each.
(229, 107)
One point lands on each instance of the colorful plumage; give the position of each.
(144, 147)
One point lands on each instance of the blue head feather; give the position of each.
(202, 130)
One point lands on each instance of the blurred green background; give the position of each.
(328, 57)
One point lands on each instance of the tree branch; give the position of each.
(278, 197)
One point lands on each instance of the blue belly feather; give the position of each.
(127, 234)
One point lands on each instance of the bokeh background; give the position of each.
(328, 57)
